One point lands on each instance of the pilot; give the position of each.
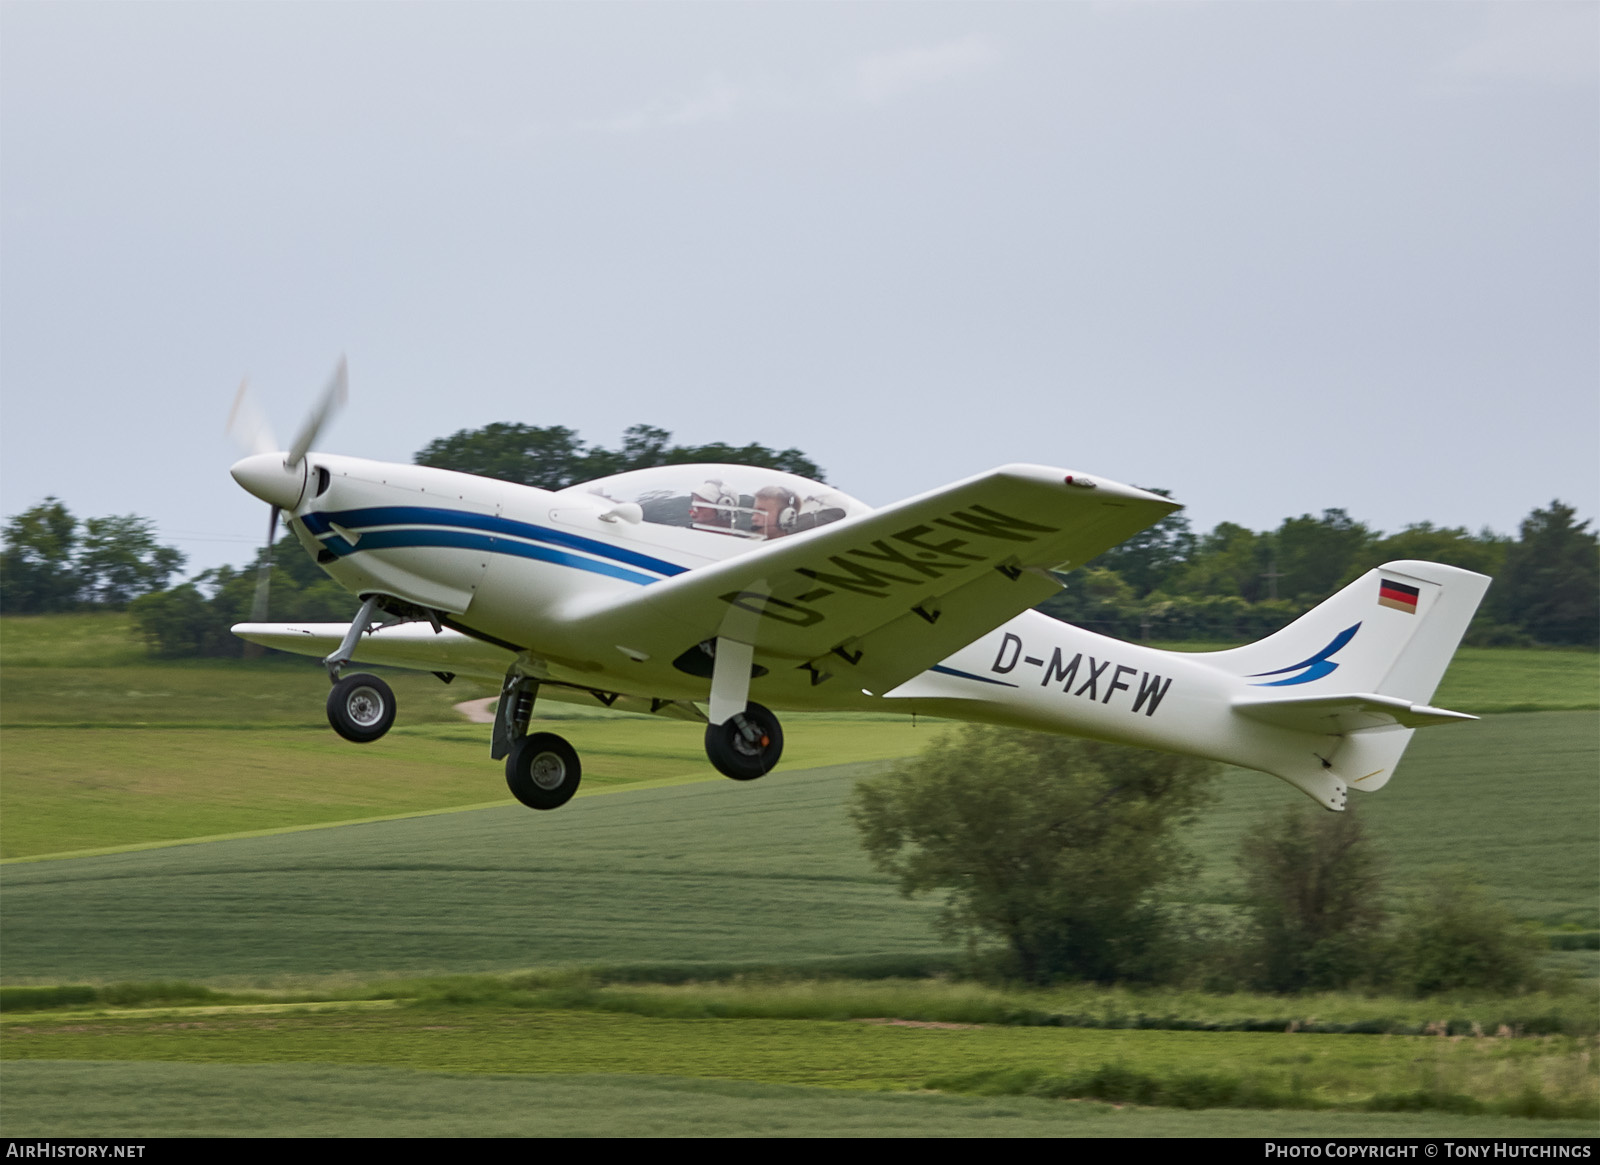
(776, 511)
(712, 507)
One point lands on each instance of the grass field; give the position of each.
(1263, 1069)
(172, 1099)
(680, 876)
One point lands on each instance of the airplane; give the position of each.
(716, 593)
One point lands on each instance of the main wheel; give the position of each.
(745, 747)
(543, 771)
(361, 708)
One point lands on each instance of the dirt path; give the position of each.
(478, 711)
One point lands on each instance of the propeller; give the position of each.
(248, 425)
(331, 401)
(271, 474)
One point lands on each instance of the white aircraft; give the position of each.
(696, 591)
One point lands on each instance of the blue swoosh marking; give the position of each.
(966, 675)
(1317, 666)
(320, 523)
(468, 540)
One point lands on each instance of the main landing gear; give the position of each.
(747, 745)
(542, 769)
(743, 740)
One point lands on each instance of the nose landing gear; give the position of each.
(361, 708)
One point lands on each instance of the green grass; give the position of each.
(1511, 797)
(1271, 1070)
(1485, 680)
(150, 1099)
(773, 993)
(95, 640)
(76, 789)
(674, 881)
(712, 872)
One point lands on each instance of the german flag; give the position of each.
(1397, 595)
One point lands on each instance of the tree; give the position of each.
(550, 458)
(1453, 546)
(1098, 599)
(554, 457)
(1231, 560)
(119, 559)
(1550, 585)
(1313, 897)
(37, 572)
(1051, 844)
(1316, 554)
(1155, 556)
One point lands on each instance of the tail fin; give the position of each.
(1360, 667)
(1393, 631)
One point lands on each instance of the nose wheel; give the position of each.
(361, 708)
(747, 745)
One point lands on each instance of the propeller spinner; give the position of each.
(277, 477)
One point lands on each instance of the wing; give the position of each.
(418, 647)
(886, 595)
(409, 645)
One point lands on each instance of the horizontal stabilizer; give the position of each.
(1345, 713)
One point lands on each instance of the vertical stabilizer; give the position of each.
(1353, 677)
(1393, 632)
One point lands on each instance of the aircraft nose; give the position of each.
(266, 476)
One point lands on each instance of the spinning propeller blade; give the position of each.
(258, 606)
(333, 398)
(248, 425)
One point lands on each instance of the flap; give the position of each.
(1337, 715)
(913, 582)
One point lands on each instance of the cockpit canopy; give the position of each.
(741, 501)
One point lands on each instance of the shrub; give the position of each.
(1453, 936)
(1053, 845)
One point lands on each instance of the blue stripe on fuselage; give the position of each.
(966, 675)
(363, 520)
(471, 540)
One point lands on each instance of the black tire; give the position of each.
(543, 771)
(734, 753)
(361, 708)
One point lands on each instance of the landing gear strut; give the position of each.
(747, 745)
(360, 707)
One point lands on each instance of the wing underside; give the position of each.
(886, 595)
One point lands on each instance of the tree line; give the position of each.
(1236, 584)
(1167, 583)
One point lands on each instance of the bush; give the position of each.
(1313, 898)
(1453, 937)
(1053, 845)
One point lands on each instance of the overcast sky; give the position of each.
(1272, 257)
